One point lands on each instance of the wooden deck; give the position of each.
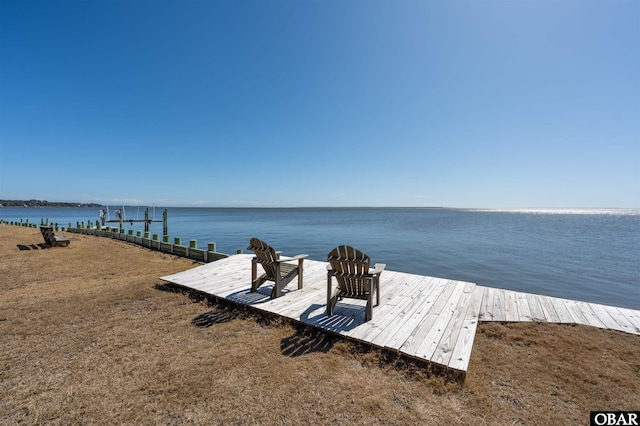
(431, 319)
(506, 305)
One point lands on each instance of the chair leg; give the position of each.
(378, 289)
(330, 302)
(369, 312)
(277, 285)
(300, 261)
(254, 273)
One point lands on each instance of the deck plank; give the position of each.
(405, 333)
(446, 345)
(461, 354)
(550, 314)
(510, 306)
(604, 316)
(499, 312)
(524, 310)
(632, 316)
(486, 310)
(575, 312)
(436, 332)
(424, 327)
(590, 316)
(537, 313)
(399, 296)
(397, 331)
(623, 323)
(561, 309)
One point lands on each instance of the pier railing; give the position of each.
(144, 239)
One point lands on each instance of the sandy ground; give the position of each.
(90, 335)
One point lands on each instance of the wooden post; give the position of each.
(193, 243)
(211, 247)
(165, 223)
(146, 220)
(177, 241)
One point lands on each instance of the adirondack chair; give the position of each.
(275, 269)
(51, 239)
(350, 267)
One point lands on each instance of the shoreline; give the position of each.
(564, 270)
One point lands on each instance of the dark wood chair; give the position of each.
(280, 271)
(350, 267)
(52, 239)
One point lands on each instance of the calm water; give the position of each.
(589, 255)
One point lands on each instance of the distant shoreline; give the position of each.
(527, 210)
(42, 203)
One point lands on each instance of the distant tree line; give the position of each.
(43, 203)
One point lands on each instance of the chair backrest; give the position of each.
(349, 266)
(265, 255)
(47, 234)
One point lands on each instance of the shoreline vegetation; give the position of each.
(90, 334)
(43, 203)
(542, 210)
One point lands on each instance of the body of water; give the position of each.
(587, 255)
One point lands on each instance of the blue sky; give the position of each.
(490, 104)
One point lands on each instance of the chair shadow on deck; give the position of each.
(261, 295)
(341, 320)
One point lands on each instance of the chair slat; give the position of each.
(350, 267)
(274, 270)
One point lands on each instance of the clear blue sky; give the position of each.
(501, 104)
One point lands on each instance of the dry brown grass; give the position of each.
(89, 335)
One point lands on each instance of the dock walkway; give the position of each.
(431, 319)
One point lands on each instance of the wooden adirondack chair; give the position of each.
(350, 267)
(51, 239)
(276, 269)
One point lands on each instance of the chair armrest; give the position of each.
(377, 268)
(289, 259)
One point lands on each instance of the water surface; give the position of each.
(588, 255)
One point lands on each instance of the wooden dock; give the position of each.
(507, 306)
(431, 319)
